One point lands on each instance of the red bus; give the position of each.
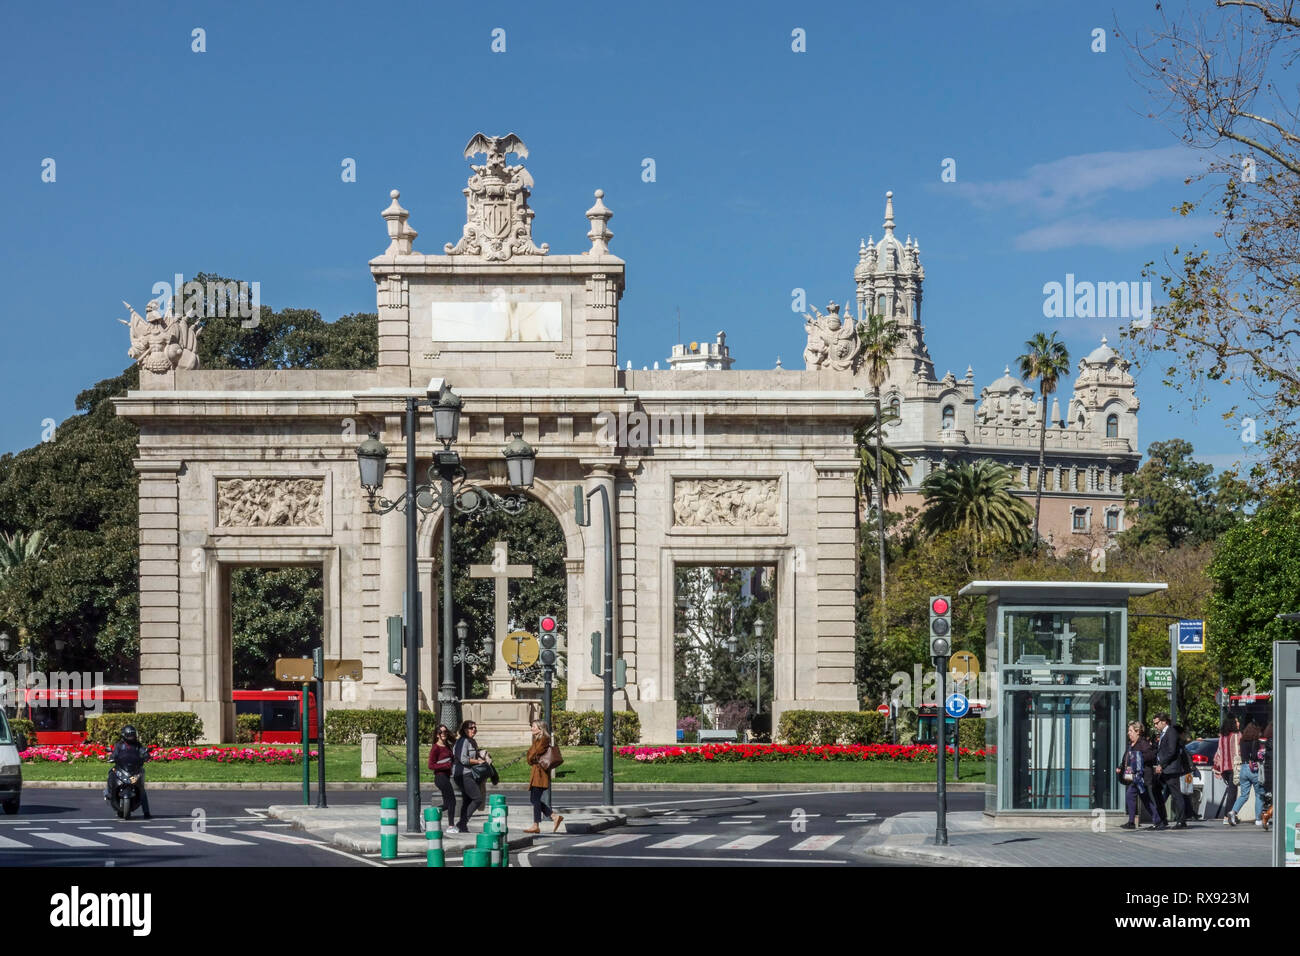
(60, 715)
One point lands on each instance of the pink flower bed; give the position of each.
(80, 752)
(906, 753)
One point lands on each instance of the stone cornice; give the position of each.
(171, 466)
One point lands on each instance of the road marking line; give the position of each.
(30, 829)
(696, 859)
(8, 844)
(615, 840)
(209, 838)
(279, 837)
(68, 839)
(747, 842)
(140, 839)
(681, 842)
(749, 816)
(817, 843)
(859, 814)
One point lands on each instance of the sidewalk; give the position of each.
(972, 841)
(399, 787)
(356, 828)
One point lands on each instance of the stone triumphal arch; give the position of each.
(703, 466)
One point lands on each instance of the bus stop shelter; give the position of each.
(1058, 652)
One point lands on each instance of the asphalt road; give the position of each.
(228, 828)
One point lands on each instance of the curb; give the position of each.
(363, 787)
(932, 858)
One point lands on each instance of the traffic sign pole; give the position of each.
(941, 827)
(1173, 683)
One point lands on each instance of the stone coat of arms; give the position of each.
(498, 222)
(160, 341)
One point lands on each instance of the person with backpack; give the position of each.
(1252, 772)
(466, 756)
(1227, 763)
(543, 756)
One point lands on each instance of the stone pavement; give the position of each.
(973, 841)
(356, 828)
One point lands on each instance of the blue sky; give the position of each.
(770, 166)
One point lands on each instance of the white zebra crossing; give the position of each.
(748, 842)
(8, 844)
(69, 840)
(276, 837)
(140, 839)
(817, 843)
(617, 839)
(212, 838)
(681, 842)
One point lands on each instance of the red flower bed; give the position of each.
(906, 753)
(80, 752)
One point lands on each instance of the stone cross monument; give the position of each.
(501, 685)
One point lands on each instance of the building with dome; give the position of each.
(937, 420)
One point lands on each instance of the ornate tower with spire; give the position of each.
(889, 279)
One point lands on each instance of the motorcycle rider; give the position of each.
(130, 755)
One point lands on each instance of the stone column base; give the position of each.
(502, 723)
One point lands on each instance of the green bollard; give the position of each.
(475, 858)
(433, 853)
(388, 828)
(492, 844)
(500, 829)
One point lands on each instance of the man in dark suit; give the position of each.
(1169, 768)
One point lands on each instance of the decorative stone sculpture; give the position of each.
(726, 502)
(162, 343)
(498, 222)
(270, 503)
(832, 343)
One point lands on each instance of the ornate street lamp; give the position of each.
(445, 487)
(757, 654)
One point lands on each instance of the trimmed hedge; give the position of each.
(821, 727)
(578, 728)
(971, 734)
(347, 726)
(21, 725)
(166, 728)
(247, 727)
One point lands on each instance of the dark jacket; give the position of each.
(1167, 753)
(1139, 759)
(130, 757)
(464, 751)
(540, 777)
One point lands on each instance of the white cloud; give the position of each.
(1067, 183)
(1115, 233)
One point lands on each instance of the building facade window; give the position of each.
(949, 417)
(895, 409)
(1079, 521)
(1112, 520)
(1112, 426)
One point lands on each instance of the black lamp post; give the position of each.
(446, 488)
(465, 655)
(757, 654)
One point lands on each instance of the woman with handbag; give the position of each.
(440, 762)
(1135, 772)
(1251, 772)
(543, 756)
(1227, 763)
(467, 760)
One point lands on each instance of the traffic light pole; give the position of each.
(941, 827)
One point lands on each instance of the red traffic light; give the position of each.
(939, 606)
(547, 623)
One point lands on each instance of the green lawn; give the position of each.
(581, 765)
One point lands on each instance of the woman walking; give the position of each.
(1251, 775)
(466, 756)
(1136, 771)
(1227, 763)
(540, 779)
(440, 762)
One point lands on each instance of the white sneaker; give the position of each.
(1259, 822)
(451, 830)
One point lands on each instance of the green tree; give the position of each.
(18, 548)
(1174, 500)
(866, 437)
(880, 339)
(975, 498)
(274, 612)
(1047, 359)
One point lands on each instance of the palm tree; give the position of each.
(19, 547)
(880, 338)
(1047, 359)
(891, 461)
(977, 499)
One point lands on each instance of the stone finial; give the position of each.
(400, 234)
(599, 215)
(778, 362)
(970, 371)
(889, 213)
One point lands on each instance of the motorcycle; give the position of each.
(124, 794)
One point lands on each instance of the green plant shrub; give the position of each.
(166, 728)
(247, 727)
(820, 727)
(971, 733)
(21, 725)
(347, 726)
(576, 728)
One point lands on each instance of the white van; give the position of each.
(11, 768)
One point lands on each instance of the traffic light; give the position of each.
(547, 630)
(940, 626)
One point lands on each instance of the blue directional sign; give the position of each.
(1191, 636)
(956, 705)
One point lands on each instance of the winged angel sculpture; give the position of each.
(498, 222)
(832, 343)
(161, 342)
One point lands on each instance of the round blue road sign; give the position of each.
(956, 705)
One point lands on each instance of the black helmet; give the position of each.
(129, 735)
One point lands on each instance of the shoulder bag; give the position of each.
(550, 758)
